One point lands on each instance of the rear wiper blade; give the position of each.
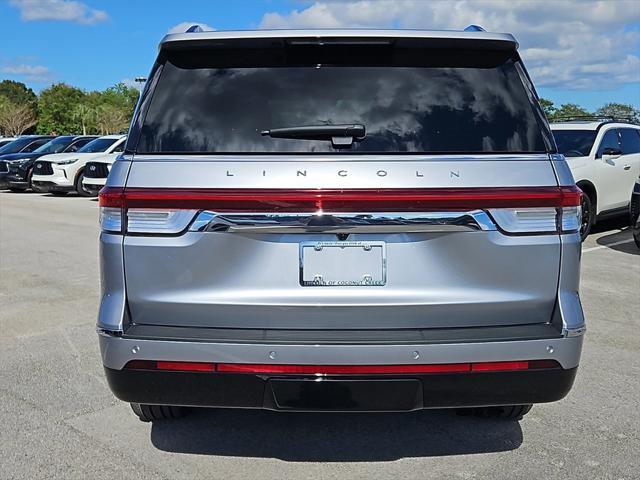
(341, 136)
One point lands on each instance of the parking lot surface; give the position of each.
(59, 420)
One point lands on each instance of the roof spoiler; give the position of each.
(472, 35)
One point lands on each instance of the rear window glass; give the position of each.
(630, 140)
(417, 101)
(574, 143)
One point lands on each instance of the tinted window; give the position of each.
(610, 140)
(78, 144)
(56, 145)
(97, 145)
(34, 145)
(17, 145)
(423, 100)
(574, 143)
(630, 140)
(119, 148)
(4, 142)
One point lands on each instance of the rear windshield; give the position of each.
(422, 100)
(574, 143)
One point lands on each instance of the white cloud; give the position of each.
(60, 10)
(572, 44)
(34, 73)
(183, 26)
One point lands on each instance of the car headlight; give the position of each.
(68, 162)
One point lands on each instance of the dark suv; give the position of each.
(20, 165)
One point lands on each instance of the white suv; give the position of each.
(64, 172)
(604, 157)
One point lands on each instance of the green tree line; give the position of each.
(62, 109)
(569, 110)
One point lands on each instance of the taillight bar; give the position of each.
(335, 200)
(285, 369)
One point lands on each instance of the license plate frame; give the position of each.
(377, 249)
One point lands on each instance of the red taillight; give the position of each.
(285, 369)
(341, 369)
(347, 200)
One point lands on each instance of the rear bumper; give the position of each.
(337, 393)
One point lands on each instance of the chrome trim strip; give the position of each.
(207, 221)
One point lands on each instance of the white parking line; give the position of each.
(621, 242)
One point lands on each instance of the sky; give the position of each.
(577, 51)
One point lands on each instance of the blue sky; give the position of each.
(578, 51)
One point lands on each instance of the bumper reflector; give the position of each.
(283, 369)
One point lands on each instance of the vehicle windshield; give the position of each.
(16, 146)
(56, 145)
(411, 100)
(97, 145)
(574, 143)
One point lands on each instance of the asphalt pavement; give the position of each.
(58, 419)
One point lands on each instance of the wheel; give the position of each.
(16, 190)
(58, 193)
(149, 413)
(80, 189)
(588, 216)
(507, 412)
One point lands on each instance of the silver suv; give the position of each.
(351, 220)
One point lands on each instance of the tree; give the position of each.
(568, 110)
(112, 119)
(84, 114)
(548, 107)
(56, 108)
(15, 119)
(18, 93)
(620, 111)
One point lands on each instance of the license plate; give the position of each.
(343, 264)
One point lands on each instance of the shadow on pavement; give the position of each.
(620, 238)
(334, 437)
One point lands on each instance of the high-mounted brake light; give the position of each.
(515, 209)
(286, 369)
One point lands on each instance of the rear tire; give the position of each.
(150, 413)
(588, 216)
(507, 412)
(58, 193)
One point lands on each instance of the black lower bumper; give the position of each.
(340, 393)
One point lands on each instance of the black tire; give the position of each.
(80, 189)
(150, 413)
(29, 180)
(507, 412)
(17, 190)
(588, 216)
(58, 193)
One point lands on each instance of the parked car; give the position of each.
(634, 212)
(604, 157)
(24, 144)
(96, 173)
(20, 165)
(63, 173)
(340, 220)
(5, 140)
